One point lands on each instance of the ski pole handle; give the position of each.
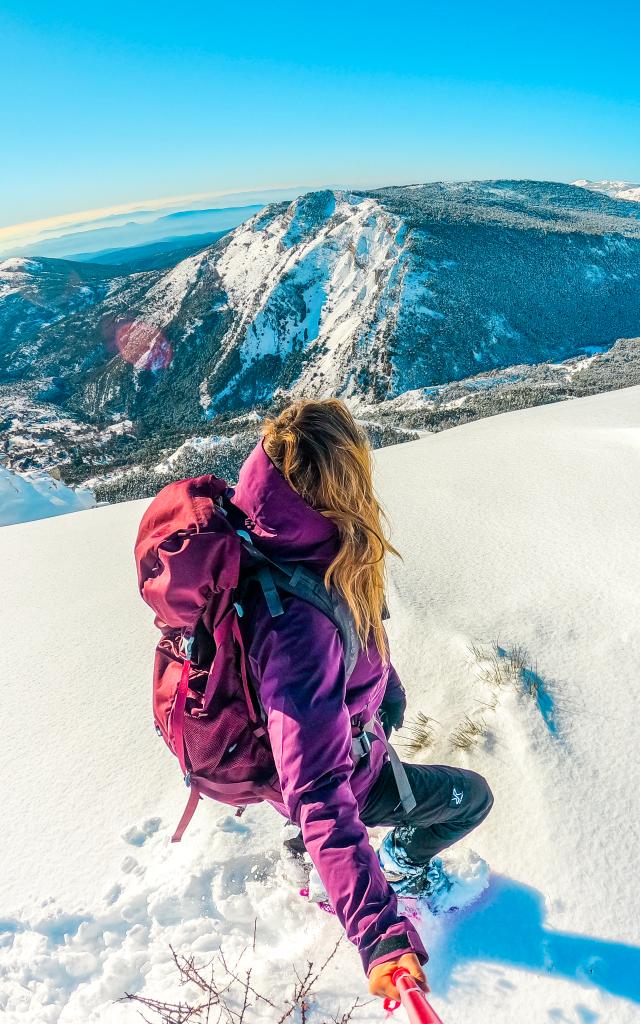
(413, 999)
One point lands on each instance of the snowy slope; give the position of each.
(27, 496)
(315, 276)
(615, 189)
(521, 528)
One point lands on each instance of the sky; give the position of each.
(114, 106)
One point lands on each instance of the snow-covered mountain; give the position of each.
(365, 295)
(515, 608)
(24, 497)
(615, 189)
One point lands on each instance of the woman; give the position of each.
(307, 493)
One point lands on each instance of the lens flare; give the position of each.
(143, 345)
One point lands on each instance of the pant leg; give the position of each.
(450, 803)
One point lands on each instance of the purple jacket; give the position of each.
(297, 664)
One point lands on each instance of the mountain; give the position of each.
(228, 441)
(520, 531)
(615, 189)
(36, 294)
(153, 255)
(368, 295)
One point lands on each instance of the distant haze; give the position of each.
(87, 234)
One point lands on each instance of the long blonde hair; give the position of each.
(325, 456)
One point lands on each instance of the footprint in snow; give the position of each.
(231, 823)
(113, 894)
(130, 866)
(137, 836)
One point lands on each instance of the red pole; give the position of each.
(413, 999)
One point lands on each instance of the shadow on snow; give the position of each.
(507, 926)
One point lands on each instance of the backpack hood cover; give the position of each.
(186, 551)
(181, 565)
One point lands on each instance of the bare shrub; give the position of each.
(228, 996)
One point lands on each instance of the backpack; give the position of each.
(195, 564)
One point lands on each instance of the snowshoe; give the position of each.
(450, 881)
(316, 893)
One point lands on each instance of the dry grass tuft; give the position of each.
(420, 734)
(498, 667)
(468, 733)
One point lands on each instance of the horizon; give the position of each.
(110, 105)
(22, 239)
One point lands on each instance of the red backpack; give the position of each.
(195, 563)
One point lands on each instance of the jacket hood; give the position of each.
(280, 520)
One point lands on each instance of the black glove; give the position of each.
(392, 713)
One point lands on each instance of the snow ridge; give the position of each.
(28, 496)
(616, 189)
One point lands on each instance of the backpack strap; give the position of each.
(270, 591)
(293, 578)
(360, 747)
(187, 814)
(407, 799)
(186, 648)
(251, 707)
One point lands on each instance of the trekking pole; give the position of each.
(413, 999)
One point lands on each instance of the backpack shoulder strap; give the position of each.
(292, 578)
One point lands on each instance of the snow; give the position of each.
(119, 428)
(15, 274)
(164, 299)
(191, 446)
(519, 536)
(27, 496)
(615, 189)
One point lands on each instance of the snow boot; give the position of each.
(454, 879)
(292, 839)
(405, 877)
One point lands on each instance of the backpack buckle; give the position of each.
(360, 746)
(186, 646)
(270, 591)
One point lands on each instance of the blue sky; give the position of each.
(106, 104)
